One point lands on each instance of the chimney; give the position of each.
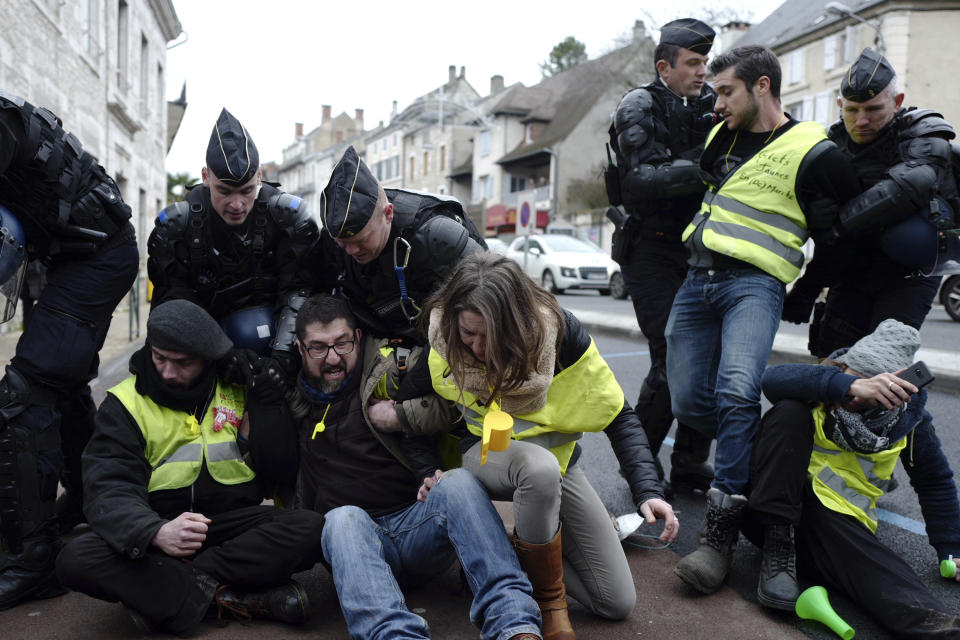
(326, 114)
(463, 72)
(297, 130)
(452, 73)
(359, 117)
(639, 31)
(496, 84)
(393, 112)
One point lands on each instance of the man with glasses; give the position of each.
(388, 249)
(379, 532)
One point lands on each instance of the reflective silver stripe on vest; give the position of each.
(547, 440)
(220, 451)
(770, 219)
(186, 453)
(757, 238)
(836, 482)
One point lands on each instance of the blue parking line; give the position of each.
(625, 354)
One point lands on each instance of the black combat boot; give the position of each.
(706, 568)
(778, 587)
(689, 469)
(29, 574)
(197, 605)
(286, 603)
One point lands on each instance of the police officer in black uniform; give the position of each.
(237, 248)
(57, 204)
(388, 249)
(658, 133)
(894, 236)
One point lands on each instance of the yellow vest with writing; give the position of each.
(849, 482)
(583, 397)
(177, 444)
(753, 215)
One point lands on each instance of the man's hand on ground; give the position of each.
(183, 536)
(383, 416)
(656, 509)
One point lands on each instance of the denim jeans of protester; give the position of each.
(372, 557)
(719, 337)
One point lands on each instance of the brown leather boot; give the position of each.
(544, 566)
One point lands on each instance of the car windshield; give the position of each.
(566, 243)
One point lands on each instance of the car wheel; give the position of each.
(617, 287)
(950, 297)
(549, 283)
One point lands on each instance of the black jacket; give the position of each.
(116, 474)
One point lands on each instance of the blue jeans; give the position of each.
(719, 337)
(371, 556)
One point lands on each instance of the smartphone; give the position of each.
(917, 374)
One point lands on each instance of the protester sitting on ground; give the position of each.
(821, 461)
(378, 536)
(499, 340)
(178, 528)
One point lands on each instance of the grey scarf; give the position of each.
(851, 431)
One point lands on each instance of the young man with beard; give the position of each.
(768, 177)
(177, 522)
(380, 534)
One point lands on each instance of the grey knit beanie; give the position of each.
(891, 347)
(184, 327)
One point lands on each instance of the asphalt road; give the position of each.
(902, 528)
(938, 330)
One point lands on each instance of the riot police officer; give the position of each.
(56, 204)
(658, 133)
(237, 248)
(894, 238)
(389, 248)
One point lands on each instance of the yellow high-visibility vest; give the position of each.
(849, 482)
(754, 215)
(177, 444)
(583, 397)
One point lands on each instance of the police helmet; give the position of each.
(251, 328)
(13, 262)
(918, 244)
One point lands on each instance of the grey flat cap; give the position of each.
(182, 326)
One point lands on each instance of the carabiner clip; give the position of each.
(402, 281)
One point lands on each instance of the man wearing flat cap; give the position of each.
(891, 248)
(386, 250)
(825, 455)
(236, 247)
(657, 134)
(165, 483)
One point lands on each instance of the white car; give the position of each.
(561, 262)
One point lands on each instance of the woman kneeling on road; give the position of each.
(500, 341)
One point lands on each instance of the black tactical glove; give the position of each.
(237, 367)
(821, 214)
(797, 305)
(269, 380)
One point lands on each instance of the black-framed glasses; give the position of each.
(340, 347)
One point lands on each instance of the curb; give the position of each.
(945, 365)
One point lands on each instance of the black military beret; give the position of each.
(688, 33)
(231, 154)
(867, 77)
(184, 327)
(350, 197)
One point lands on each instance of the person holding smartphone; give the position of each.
(821, 461)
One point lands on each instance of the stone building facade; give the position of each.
(100, 66)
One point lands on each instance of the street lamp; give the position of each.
(840, 9)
